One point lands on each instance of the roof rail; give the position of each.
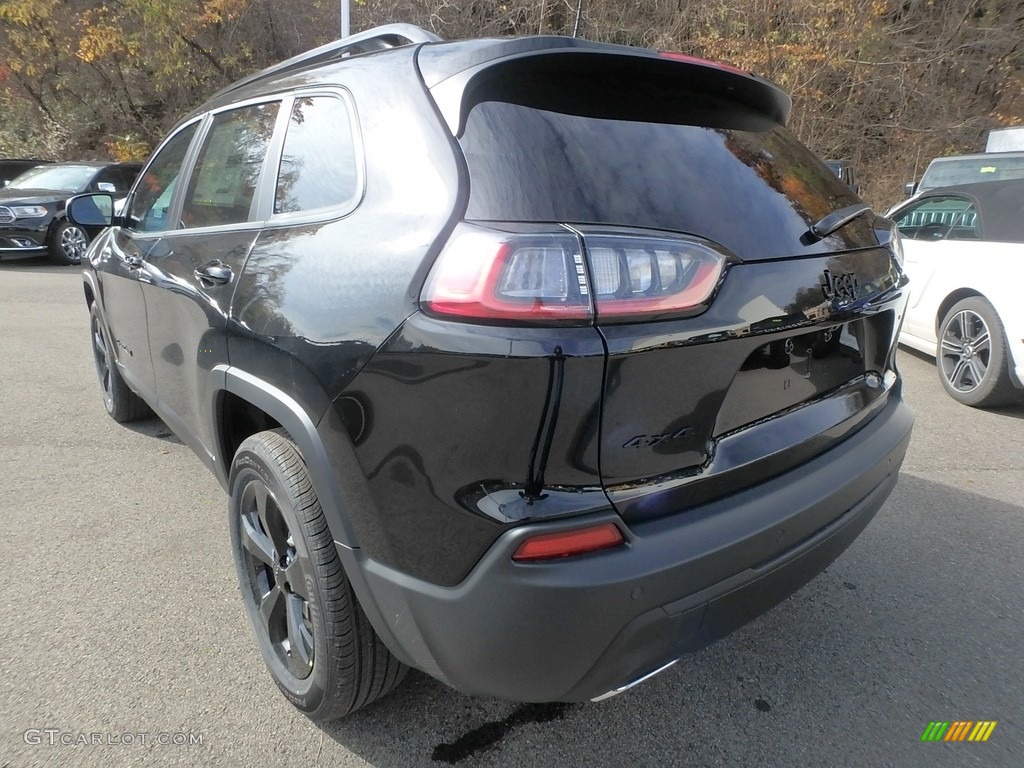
(375, 39)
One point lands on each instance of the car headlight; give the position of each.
(28, 211)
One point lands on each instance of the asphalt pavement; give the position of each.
(123, 639)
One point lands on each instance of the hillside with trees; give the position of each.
(884, 84)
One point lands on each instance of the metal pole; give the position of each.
(579, 15)
(344, 18)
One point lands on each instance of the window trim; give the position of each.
(261, 211)
(328, 212)
(184, 172)
(203, 124)
(255, 218)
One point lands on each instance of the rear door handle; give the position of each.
(214, 273)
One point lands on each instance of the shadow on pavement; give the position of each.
(154, 427)
(35, 264)
(919, 620)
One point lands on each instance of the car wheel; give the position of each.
(315, 639)
(972, 355)
(121, 403)
(67, 243)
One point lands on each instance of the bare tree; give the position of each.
(886, 84)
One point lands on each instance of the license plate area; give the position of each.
(787, 370)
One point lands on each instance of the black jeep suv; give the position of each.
(531, 363)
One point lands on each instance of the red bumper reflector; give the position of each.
(547, 546)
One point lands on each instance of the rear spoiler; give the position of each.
(568, 74)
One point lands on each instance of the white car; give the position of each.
(964, 255)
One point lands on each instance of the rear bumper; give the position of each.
(576, 629)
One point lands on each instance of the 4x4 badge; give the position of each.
(652, 441)
(842, 287)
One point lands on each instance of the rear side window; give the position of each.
(318, 164)
(223, 183)
(120, 176)
(940, 218)
(754, 191)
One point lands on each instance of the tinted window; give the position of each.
(120, 177)
(223, 183)
(948, 172)
(107, 178)
(318, 165)
(9, 169)
(126, 177)
(940, 218)
(754, 191)
(152, 200)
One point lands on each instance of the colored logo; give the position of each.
(959, 730)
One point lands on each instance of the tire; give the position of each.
(315, 639)
(972, 357)
(121, 403)
(67, 243)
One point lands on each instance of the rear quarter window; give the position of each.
(318, 165)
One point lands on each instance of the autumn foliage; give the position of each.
(885, 84)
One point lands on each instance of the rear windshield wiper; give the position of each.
(836, 220)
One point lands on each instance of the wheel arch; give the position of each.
(59, 218)
(236, 387)
(88, 288)
(245, 404)
(953, 298)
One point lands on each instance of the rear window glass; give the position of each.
(948, 173)
(755, 192)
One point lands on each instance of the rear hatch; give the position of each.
(669, 171)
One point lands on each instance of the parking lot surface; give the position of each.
(124, 641)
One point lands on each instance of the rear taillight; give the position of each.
(484, 275)
(488, 275)
(641, 277)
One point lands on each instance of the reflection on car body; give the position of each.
(32, 218)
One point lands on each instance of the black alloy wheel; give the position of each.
(972, 355)
(316, 641)
(276, 575)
